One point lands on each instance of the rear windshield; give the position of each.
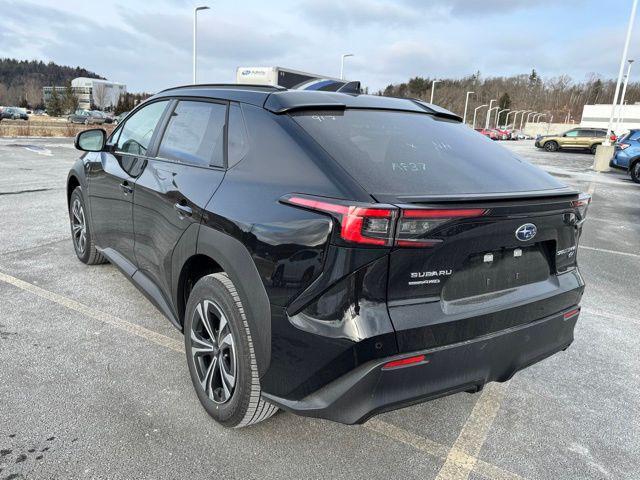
(404, 153)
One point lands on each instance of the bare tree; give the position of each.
(99, 94)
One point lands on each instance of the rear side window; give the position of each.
(195, 134)
(238, 140)
(135, 134)
(404, 153)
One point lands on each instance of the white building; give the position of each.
(598, 116)
(101, 93)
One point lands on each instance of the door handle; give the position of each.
(183, 210)
(126, 188)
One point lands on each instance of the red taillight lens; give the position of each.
(581, 205)
(405, 362)
(364, 225)
(373, 225)
(415, 223)
(571, 313)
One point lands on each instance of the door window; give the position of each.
(195, 134)
(135, 134)
(571, 133)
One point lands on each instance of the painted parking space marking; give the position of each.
(462, 457)
(103, 317)
(605, 250)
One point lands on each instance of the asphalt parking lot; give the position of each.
(94, 384)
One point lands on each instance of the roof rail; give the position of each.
(239, 86)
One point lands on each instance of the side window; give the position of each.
(195, 134)
(238, 138)
(635, 135)
(135, 134)
(571, 133)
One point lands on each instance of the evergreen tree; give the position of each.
(54, 105)
(504, 102)
(69, 102)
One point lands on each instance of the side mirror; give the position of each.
(92, 140)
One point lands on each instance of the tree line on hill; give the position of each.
(559, 97)
(21, 81)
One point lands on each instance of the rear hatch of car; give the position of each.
(482, 240)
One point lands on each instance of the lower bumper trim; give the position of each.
(466, 366)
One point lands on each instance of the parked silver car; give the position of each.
(87, 117)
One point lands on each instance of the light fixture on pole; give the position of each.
(632, 17)
(195, 40)
(344, 55)
(466, 104)
(433, 88)
(475, 112)
(486, 123)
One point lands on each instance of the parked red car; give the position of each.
(492, 134)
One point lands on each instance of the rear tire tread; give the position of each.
(257, 409)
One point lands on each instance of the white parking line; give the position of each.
(604, 250)
(116, 322)
(463, 456)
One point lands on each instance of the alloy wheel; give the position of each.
(213, 351)
(78, 226)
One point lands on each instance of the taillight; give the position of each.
(581, 205)
(405, 362)
(367, 225)
(413, 224)
(372, 224)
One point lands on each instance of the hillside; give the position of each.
(556, 96)
(21, 81)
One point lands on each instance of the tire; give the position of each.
(634, 172)
(594, 148)
(224, 371)
(551, 146)
(81, 236)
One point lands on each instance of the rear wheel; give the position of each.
(220, 354)
(80, 231)
(634, 171)
(551, 146)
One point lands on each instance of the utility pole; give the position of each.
(433, 88)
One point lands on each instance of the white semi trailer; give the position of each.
(292, 79)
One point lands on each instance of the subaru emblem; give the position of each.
(526, 232)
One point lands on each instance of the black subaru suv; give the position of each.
(335, 255)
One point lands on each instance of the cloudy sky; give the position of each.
(147, 44)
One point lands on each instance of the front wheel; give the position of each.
(551, 146)
(80, 231)
(220, 354)
(634, 171)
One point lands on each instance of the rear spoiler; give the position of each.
(555, 194)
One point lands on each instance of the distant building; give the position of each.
(91, 92)
(598, 116)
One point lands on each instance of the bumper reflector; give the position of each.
(404, 362)
(571, 313)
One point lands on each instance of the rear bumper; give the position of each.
(464, 366)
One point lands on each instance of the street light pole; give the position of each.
(474, 114)
(486, 124)
(632, 17)
(496, 108)
(344, 55)
(433, 87)
(515, 112)
(466, 104)
(499, 113)
(195, 40)
(624, 92)
(522, 117)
